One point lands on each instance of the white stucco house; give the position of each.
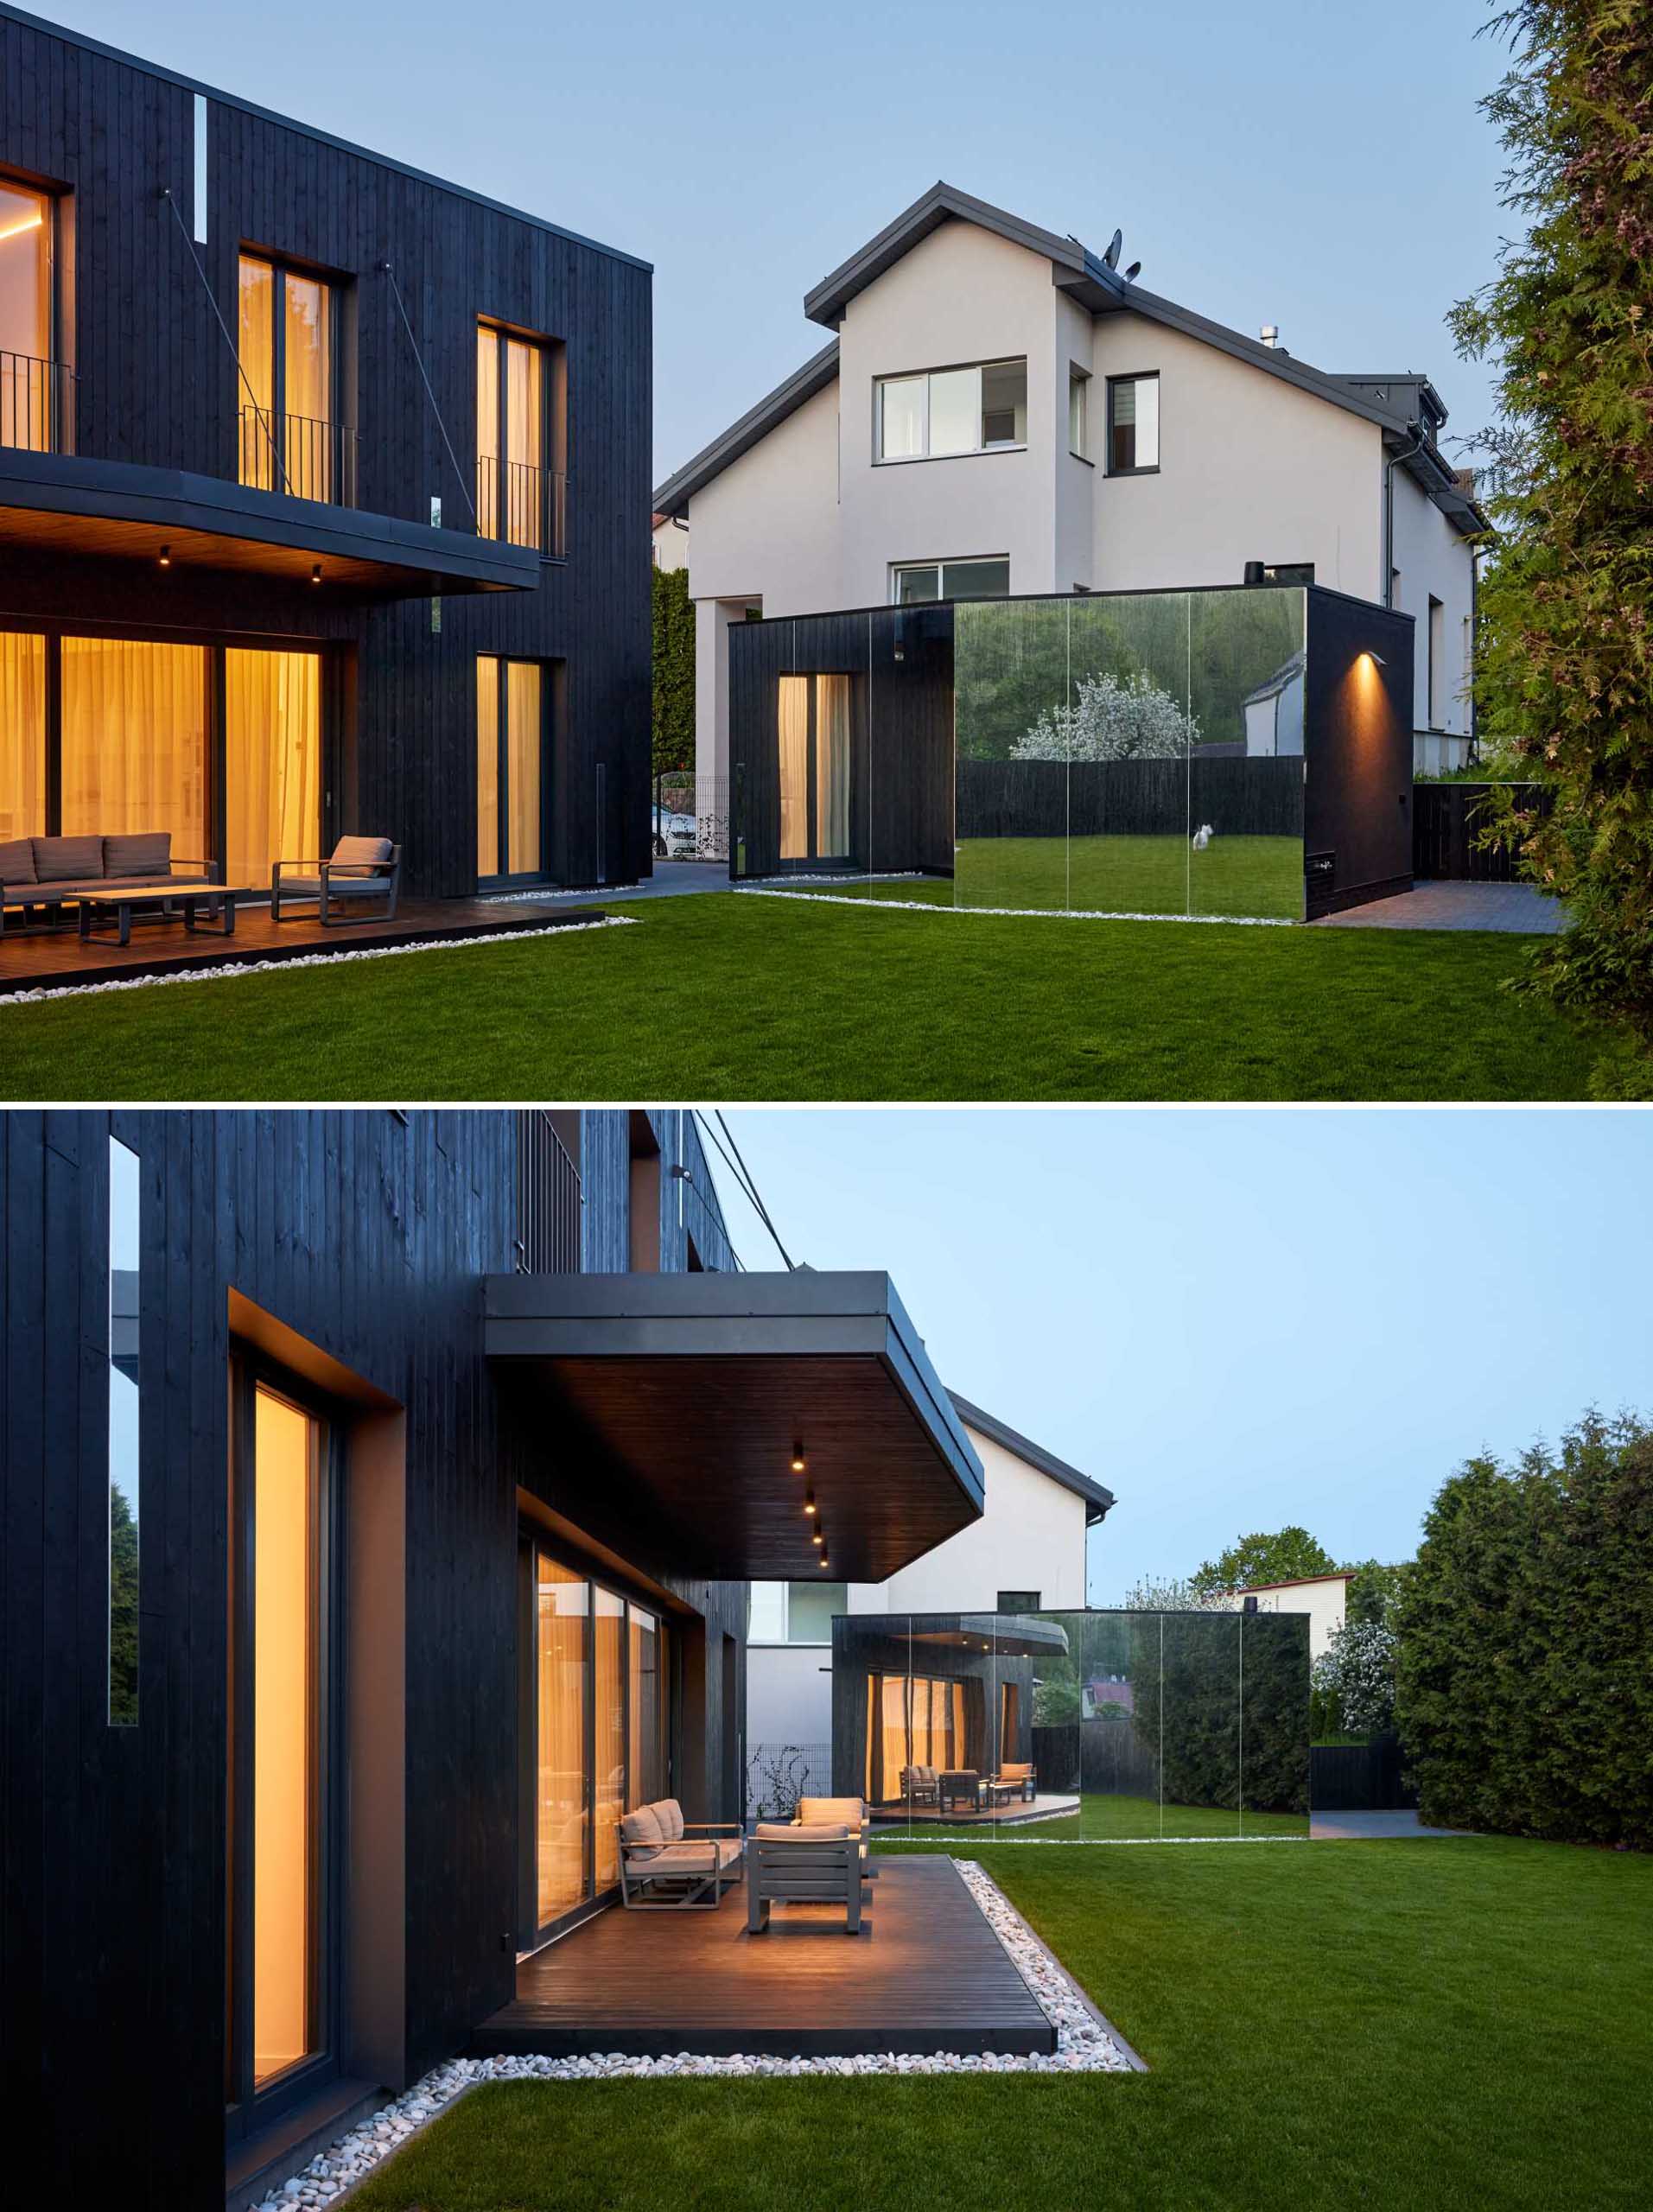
(669, 535)
(1027, 1554)
(1002, 411)
(1324, 1598)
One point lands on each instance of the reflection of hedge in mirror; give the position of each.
(123, 1610)
(1198, 1700)
(1015, 660)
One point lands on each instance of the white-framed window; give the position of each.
(913, 583)
(795, 1612)
(1078, 413)
(1133, 424)
(941, 412)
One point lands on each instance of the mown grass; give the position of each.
(734, 997)
(1112, 1819)
(1244, 876)
(1457, 2024)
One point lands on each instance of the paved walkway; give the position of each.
(1516, 909)
(1348, 1827)
(670, 880)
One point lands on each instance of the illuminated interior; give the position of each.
(560, 1832)
(287, 349)
(509, 437)
(609, 1692)
(272, 774)
(284, 1711)
(509, 766)
(25, 319)
(813, 717)
(645, 1761)
(794, 767)
(22, 716)
(133, 742)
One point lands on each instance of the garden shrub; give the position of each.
(1524, 1691)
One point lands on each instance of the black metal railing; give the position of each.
(293, 454)
(36, 404)
(522, 504)
(548, 1198)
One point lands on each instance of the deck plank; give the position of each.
(54, 959)
(925, 1973)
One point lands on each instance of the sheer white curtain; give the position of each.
(794, 767)
(135, 741)
(22, 735)
(272, 760)
(832, 766)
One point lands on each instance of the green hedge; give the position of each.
(1525, 1680)
(674, 672)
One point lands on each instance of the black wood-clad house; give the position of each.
(323, 494)
(380, 1493)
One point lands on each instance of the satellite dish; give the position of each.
(1132, 272)
(1110, 259)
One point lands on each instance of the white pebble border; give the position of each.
(1018, 913)
(309, 960)
(999, 1838)
(1084, 2045)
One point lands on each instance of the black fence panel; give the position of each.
(1358, 1777)
(1130, 798)
(1445, 818)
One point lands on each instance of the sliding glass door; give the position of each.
(815, 716)
(272, 761)
(281, 1973)
(593, 1731)
(291, 437)
(134, 739)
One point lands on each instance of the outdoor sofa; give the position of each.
(671, 1864)
(361, 868)
(803, 1862)
(47, 873)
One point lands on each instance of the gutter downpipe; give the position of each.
(1415, 446)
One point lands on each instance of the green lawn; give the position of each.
(1119, 1818)
(733, 998)
(1258, 876)
(1456, 2024)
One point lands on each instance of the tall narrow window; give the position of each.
(1133, 424)
(272, 760)
(814, 720)
(560, 1825)
(1436, 677)
(794, 767)
(286, 1736)
(645, 1755)
(22, 754)
(517, 497)
(291, 438)
(608, 1689)
(1079, 401)
(33, 385)
(123, 1404)
(510, 768)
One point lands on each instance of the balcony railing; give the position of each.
(523, 505)
(548, 1199)
(36, 404)
(317, 460)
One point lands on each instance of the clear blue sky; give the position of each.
(1303, 162)
(1239, 1320)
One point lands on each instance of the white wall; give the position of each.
(670, 545)
(1250, 469)
(1433, 558)
(789, 1693)
(1323, 1601)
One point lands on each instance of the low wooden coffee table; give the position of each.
(119, 906)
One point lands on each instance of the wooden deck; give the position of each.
(925, 1973)
(1017, 1813)
(52, 959)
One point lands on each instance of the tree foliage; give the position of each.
(1375, 1593)
(1524, 1695)
(1565, 659)
(1354, 1678)
(674, 673)
(1111, 721)
(1250, 1560)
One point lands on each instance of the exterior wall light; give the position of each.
(1377, 660)
(164, 556)
(815, 1536)
(808, 1501)
(798, 1460)
(315, 573)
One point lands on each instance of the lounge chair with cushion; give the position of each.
(1021, 1774)
(671, 1864)
(361, 867)
(47, 873)
(850, 1813)
(805, 1862)
(920, 1786)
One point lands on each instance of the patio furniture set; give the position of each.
(671, 1864)
(953, 1790)
(111, 881)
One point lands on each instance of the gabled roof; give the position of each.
(1087, 278)
(1096, 1499)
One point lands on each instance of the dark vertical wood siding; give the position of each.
(1358, 741)
(367, 1236)
(158, 387)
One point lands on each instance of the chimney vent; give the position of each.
(1269, 333)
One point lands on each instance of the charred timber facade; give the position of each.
(218, 435)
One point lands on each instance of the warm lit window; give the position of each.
(510, 752)
(912, 583)
(518, 495)
(814, 716)
(34, 387)
(123, 1330)
(1133, 424)
(1078, 433)
(292, 439)
(949, 411)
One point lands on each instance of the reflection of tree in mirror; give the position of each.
(123, 1610)
(1111, 721)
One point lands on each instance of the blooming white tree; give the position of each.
(1357, 1673)
(1111, 721)
(1175, 1595)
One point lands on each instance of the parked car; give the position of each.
(674, 836)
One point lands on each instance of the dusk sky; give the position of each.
(1316, 166)
(1238, 1319)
